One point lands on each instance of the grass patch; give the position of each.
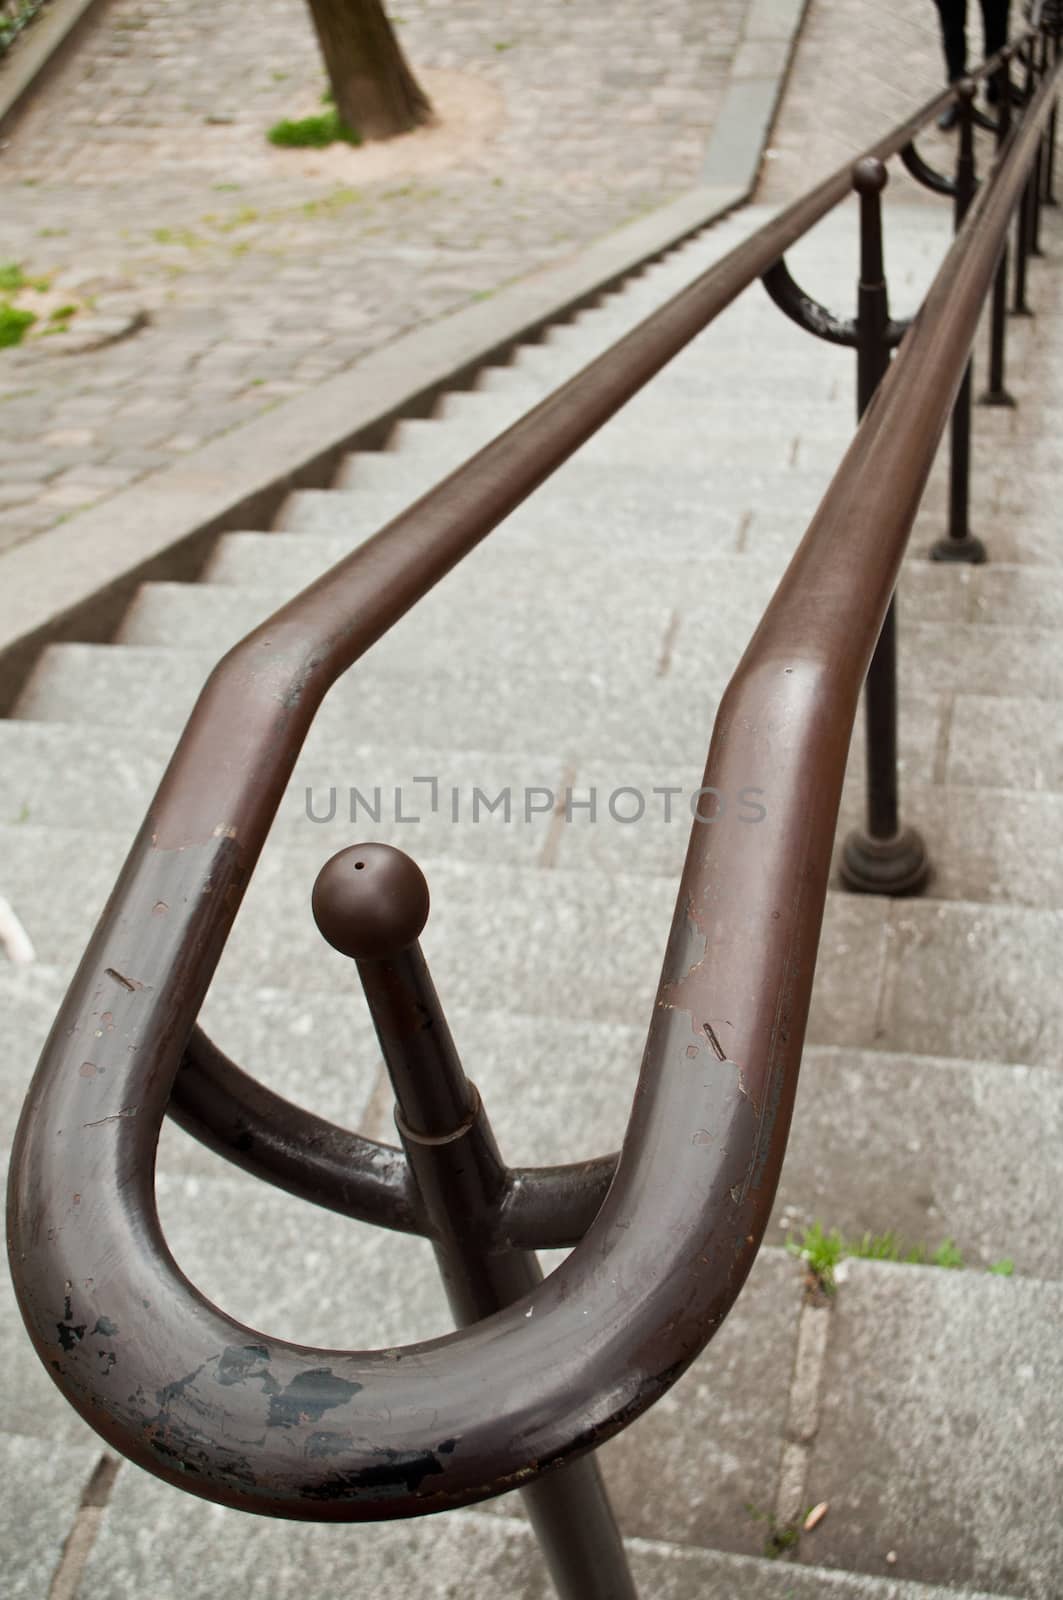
(12, 279)
(239, 219)
(823, 1251)
(313, 133)
(14, 324)
(331, 204)
(180, 236)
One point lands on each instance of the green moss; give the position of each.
(12, 277)
(14, 324)
(313, 133)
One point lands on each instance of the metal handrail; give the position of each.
(266, 1425)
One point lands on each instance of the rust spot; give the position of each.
(87, 1069)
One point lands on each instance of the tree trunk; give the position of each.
(374, 89)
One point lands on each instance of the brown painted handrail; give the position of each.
(265, 1425)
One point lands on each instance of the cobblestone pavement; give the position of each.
(140, 181)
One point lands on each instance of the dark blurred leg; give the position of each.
(953, 14)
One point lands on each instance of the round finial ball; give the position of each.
(370, 901)
(870, 176)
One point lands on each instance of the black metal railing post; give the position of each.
(1024, 219)
(959, 544)
(996, 393)
(884, 858)
(1040, 53)
(371, 903)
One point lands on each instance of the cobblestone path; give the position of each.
(139, 184)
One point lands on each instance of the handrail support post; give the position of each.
(996, 392)
(884, 858)
(371, 902)
(960, 544)
(1024, 220)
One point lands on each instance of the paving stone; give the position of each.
(639, 716)
(690, 522)
(34, 1407)
(552, 958)
(153, 1538)
(998, 966)
(467, 602)
(1005, 742)
(935, 1440)
(42, 1491)
(897, 1144)
(403, 236)
(52, 774)
(293, 1258)
(879, 1143)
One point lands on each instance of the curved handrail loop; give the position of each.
(270, 1426)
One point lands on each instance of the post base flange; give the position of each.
(896, 866)
(997, 397)
(969, 549)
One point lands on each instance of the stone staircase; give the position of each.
(581, 653)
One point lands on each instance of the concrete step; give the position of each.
(929, 590)
(435, 1559)
(585, 505)
(911, 1352)
(471, 612)
(688, 649)
(986, 844)
(624, 720)
(723, 1425)
(323, 1056)
(249, 575)
(589, 946)
(51, 776)
(548, 365)
(880, 1143)
(940, 1430)
(505, 393)
(601, 500)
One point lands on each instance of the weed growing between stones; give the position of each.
(781, 1537)
(823, 1251)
